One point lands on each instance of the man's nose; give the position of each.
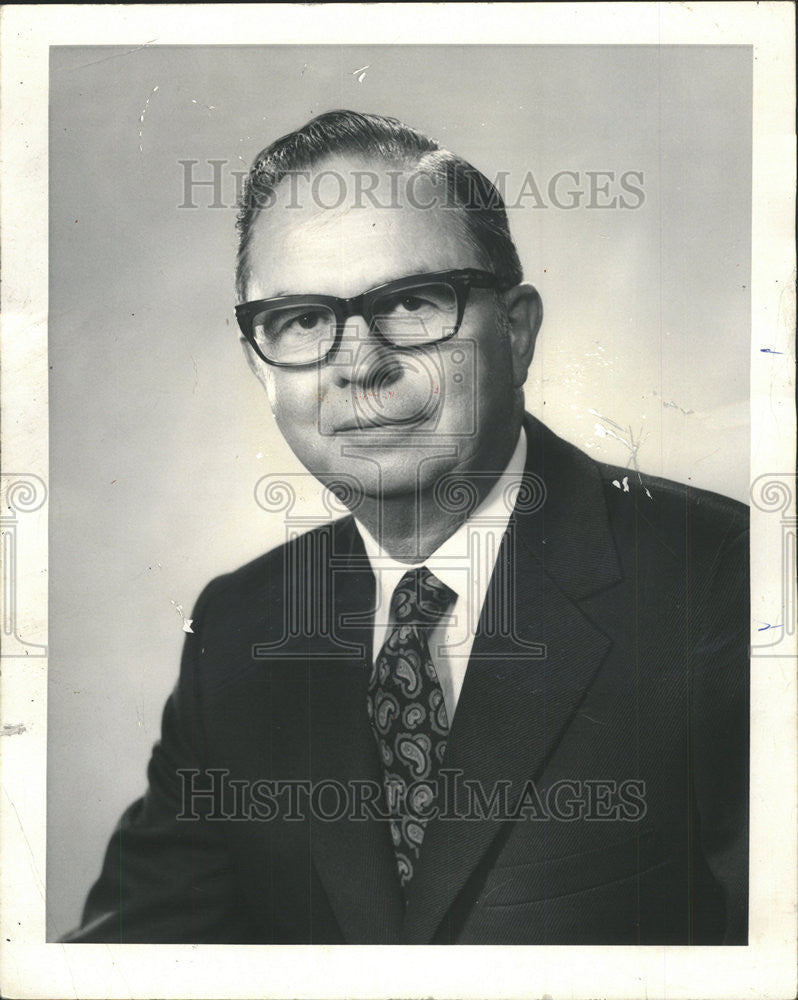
(362, 359)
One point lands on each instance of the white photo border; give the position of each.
(767, 966)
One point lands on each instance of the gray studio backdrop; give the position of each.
(158, 432)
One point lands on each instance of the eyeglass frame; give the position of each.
(462, 280)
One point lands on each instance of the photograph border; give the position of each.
(31, 968)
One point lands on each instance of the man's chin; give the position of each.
(371, 481)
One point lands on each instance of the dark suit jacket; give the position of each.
(622, 685)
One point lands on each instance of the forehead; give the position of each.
(349, 225)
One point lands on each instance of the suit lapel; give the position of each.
(521, 690)
(354, 858)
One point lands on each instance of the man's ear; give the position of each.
(524, 316)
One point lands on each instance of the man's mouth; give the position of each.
(377, 423)
(380, 409)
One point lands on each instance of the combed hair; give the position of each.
(376, 137)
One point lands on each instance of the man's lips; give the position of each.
(376, 423)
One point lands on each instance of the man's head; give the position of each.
(403, 385)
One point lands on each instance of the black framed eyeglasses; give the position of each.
(293, 331)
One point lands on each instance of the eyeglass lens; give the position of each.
(409, 317)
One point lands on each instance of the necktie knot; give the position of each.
(420, 598)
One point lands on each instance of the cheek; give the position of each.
(293, 399)
(495, 367)
(478, 375)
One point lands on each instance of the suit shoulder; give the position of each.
(630, 495)
(248, 608)
(663, 502)
(262, 579)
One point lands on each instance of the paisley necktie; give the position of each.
(408, 713)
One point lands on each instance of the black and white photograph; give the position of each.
(399, 434)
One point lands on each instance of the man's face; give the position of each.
(395, 419)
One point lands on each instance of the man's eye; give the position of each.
(308, 320)
(406, 304)
(303, 323)
(412, 303)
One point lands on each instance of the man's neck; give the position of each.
(410, 529)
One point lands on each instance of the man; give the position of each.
(505, 701)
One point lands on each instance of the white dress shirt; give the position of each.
(464, 562)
